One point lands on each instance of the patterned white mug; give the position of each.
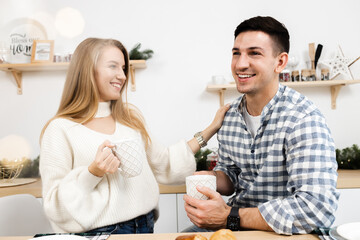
(199, 180)
(131, 155)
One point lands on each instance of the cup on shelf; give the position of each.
(218, 79)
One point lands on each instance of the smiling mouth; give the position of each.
(245, 76)
(117, 85)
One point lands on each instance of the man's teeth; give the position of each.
(244, 76)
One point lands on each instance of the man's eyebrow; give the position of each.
(255, 48)
(250, 48)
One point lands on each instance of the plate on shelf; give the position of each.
(347, 231)
(19, 35)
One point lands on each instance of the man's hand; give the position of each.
(209, 214)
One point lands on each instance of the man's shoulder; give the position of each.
(293, 102)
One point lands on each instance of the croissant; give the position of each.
(191, 237)
(223, 234)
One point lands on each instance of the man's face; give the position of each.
(254, 65)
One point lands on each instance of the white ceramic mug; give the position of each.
(218, 79)
(131, 155)
(199, 180)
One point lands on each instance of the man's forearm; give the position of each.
(251, 218)
(224, 186)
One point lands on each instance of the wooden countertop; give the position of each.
(243, 235)
(346, 179)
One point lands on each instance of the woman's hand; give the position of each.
(105, 160)
(219, 117)
(211, 129)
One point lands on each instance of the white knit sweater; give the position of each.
(77, 201)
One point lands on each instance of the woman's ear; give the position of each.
(282, 60)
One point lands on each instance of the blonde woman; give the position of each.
(83, 189)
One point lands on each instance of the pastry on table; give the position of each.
(191, 237)
(223, 234)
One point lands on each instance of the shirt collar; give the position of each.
(240, 103)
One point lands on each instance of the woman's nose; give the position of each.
(121, 75)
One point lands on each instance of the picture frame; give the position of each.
(42, 51)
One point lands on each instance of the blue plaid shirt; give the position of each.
(288, 170)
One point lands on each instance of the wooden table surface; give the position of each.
(243, 235)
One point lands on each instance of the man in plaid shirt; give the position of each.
(276, 152)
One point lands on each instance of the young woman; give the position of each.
(83, 189)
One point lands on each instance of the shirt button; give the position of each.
(252, 150)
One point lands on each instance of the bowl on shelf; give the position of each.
(10, 169)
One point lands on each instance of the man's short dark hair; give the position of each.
(276, 30)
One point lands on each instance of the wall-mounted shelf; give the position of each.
(18, 69)
(335, 86)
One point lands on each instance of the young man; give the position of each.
(275, 150)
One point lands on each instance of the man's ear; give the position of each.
(282, 60)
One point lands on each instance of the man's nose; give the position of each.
(242, 62)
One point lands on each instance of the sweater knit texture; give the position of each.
(76, 201)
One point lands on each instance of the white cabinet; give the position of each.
(183, 220)
(349, 207)
(167, 222)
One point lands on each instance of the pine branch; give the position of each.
(136, 54)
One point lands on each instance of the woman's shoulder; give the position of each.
(60, 124)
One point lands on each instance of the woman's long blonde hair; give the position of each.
(80, 97)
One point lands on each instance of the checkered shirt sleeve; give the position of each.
(288, 170)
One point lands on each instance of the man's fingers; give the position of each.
(207, 192)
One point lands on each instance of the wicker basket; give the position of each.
(9, 170)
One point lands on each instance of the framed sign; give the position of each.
(19, 35)
(42, 51)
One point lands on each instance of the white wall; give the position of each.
(192, 41)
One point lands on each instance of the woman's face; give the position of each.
(109, 73)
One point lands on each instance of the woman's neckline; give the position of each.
(104, 110)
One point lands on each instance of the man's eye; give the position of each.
(255, 53)
(235, 53)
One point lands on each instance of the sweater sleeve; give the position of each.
(171, 165)
(69, 194)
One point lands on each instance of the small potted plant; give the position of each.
(136, 54)
(206, 159)
(348, 158)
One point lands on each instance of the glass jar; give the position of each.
(284, 76)
(295, 77)
(325, 74)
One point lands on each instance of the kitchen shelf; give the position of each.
(347, 179)
(18, 69)
(335, 86)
